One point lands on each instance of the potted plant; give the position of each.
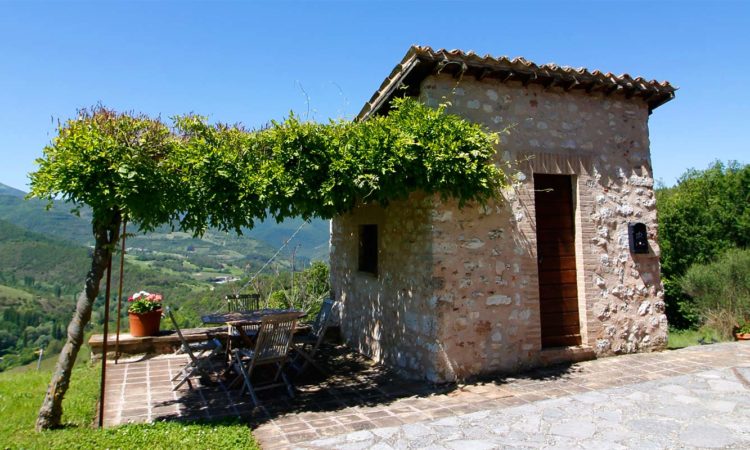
(742, 332)
(144, 313)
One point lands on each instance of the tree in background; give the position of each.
(706, 213)
(197, 175)
(306, 290)
(720, 290)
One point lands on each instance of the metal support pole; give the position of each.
(39, 361)
(104, 342)
(119, 290)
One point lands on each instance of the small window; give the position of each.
(368, 249)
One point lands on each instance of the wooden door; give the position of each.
(556, 260)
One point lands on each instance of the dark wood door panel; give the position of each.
(569, 304)
(554, 222)
(559, 263)
(561, 215)
(559, 237)
(558, 290)
(553, 332)
(556, 293)
(553, 250)
(561, 341)
(567, 320)
(557, 277)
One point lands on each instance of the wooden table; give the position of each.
(238, 319)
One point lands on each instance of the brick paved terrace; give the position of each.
(361, 395)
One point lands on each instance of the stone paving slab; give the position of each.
(708, 409)
(583, 380)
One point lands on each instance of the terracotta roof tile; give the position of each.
(419, 62)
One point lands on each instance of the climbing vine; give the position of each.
(229, 176)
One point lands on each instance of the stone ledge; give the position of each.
(166, 342)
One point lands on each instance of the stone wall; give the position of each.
(459, 287)
(389, 317)
(486, 257)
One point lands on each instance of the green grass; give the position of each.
(50, 360)
(10, 292)
(686, 338)
(21, 394)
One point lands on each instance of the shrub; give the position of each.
(706, 213)
(720, 291)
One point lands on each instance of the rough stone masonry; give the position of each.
(456, 291)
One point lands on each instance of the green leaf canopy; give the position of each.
(196, 175)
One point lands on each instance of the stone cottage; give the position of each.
(566, 267)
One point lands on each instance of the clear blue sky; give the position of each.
(251, 62)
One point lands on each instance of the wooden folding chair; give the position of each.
(271, 348)
(243, 302)
(199, 364)
(306, 345)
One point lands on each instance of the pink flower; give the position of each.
(145, 296)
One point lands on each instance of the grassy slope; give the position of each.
(46, 260)
(8, 292)
(21, 393)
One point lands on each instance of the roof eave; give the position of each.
(653, 93)
(390, 85)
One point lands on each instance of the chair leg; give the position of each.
(250, 389)
(289, 386)
(237, 367)
(249, 386)
(187, 373)
(309, 361)
(247, 383)
(190, 370)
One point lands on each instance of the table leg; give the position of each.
(245, 338)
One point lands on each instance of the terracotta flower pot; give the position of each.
(742, 336)
(145, 324)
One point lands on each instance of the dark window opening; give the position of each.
(368, 249)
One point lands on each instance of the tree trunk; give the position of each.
(105, 236)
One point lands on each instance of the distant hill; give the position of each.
(51, 268)
(255, 245)
(33, 260)
(7, 190)
(312, 237)
(33, 216)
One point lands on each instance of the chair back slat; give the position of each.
(321, 321)
(183, 342)
(242, 302)
(274, 337)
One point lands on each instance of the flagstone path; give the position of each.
(698, 397)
